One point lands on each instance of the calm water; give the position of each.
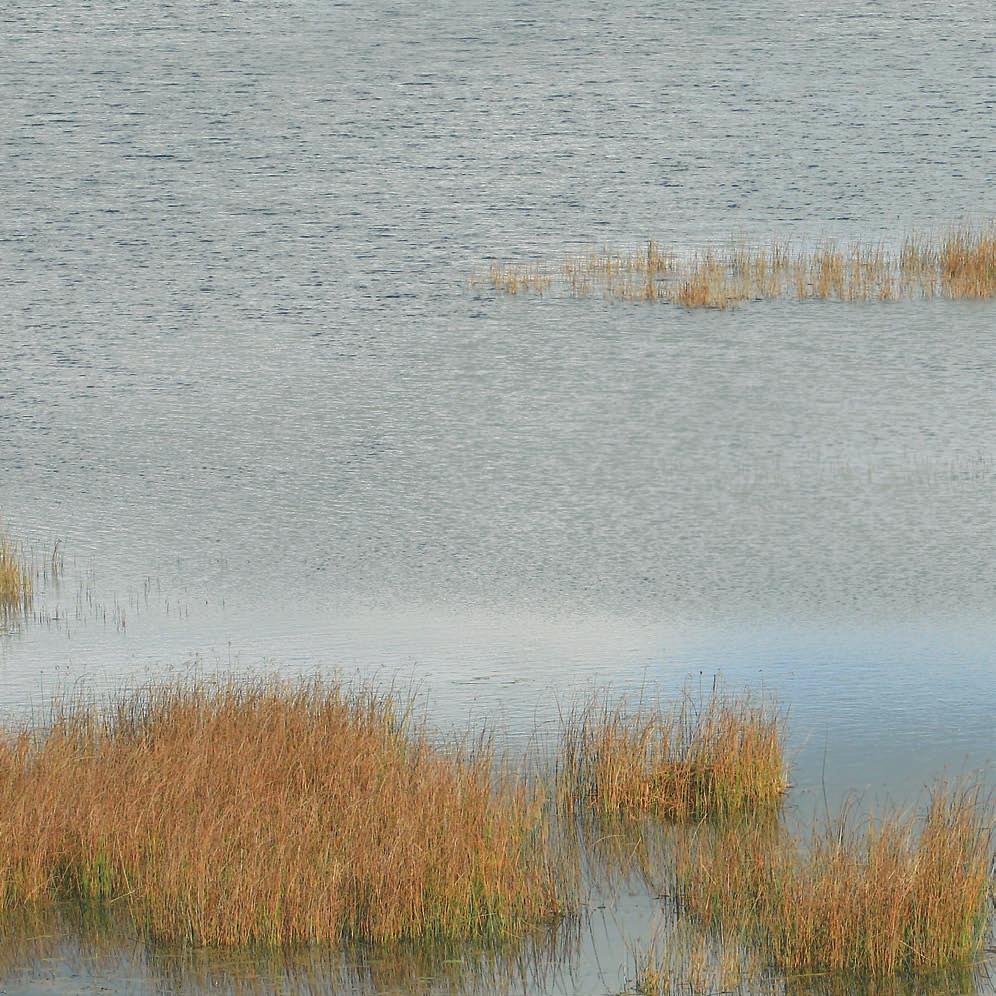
(245, 381)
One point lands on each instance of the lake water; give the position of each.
(246, 382)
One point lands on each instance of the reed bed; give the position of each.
(721, 756)
(896, 895)
(266, 813)
(16, 587)
(958, 263)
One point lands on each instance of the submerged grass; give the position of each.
(958, 263)
(897, 895)
(687, 961)
(722, 756)
(106, 948)
(267, 813)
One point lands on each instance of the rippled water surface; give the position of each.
(245, 380)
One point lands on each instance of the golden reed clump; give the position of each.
(269, 813)
(960, 263)
(719, 757)
(968, 263)
(16, 587)
(899, 895)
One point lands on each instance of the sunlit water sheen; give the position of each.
(245, 380)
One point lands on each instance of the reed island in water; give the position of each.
(960, 263)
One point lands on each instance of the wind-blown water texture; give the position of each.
(242, 374)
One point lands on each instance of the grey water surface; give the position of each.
(246, 381)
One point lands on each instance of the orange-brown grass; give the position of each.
(967, 260)
(959, 264)
(711, 282)
(267, 813)
(15, 578)
(519, 279)
(720, 757)
(899, 895)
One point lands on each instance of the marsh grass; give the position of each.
(519, 279)
(967, 261)
(16, 585)
(957, 263)
(894, 895)
(717, 756)
(519, 965)
(684, 960)
(266, 813)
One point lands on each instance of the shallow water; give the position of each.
(245, 381)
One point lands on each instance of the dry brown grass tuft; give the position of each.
(720, 757)
(711, 282)
(16, 586)
(897, 896)
(967, 259)
(268, 813)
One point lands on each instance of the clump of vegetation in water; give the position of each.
(720, 757)
(685, 960)
(897, 895)
(960, 263)
(271, 813)
(16, 587)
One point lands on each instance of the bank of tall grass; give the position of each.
(715, 756)
(894, 894)
(267, 813)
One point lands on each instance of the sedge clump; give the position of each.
(268, 813)
(722, 756)
(893, 895)
(16, 587)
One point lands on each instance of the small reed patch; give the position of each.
(16, 587)
(686, 961)
(959, 263)
(719, 757)
(898, 895)
(266, 813)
